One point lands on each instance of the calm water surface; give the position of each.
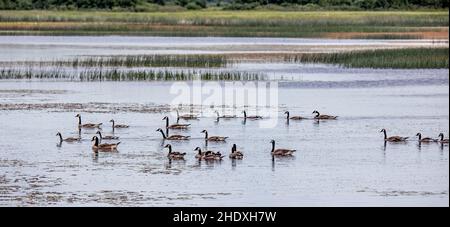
(338, 163)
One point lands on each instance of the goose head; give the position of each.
(204, 131)
(159, 130)
(165, 118)
(419, 134)
(315, 112)
(167, 146)
(233, 149)
(198, 149)
(111, 120)
(78, 115)
(383, 130)
(58, 134)
(272, 141)
(286, 112)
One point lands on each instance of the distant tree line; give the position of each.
(136, 5)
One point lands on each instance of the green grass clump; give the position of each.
(410, 58)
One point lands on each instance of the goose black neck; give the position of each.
(167, 122)
(441, 136)
(206, 135)
(162, 133)
(273, 146)
(113, 124)
(170, 149)
(96, 142)
(199, 151)
(420, 136)
(245, 114)
(385, 134)
(287, 115)
(60, 138)
(317, 114)
(100, 134)
(79, 120)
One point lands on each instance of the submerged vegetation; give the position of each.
(410, 58)
(326, 24)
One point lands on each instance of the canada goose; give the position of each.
(288, 117)
(442, 140)
(322, 116)
(425, 139)
(106, 137)
(68, 139)
(254, 117)
(172, 137)
(235, 154)
(89, 125)
(208, 155)
(103, 146)
(174, 155)
(213, 138)
(187, 116)
(224, 116)
(175, 126)
(281, 152)
(393, 138)
(117, 126)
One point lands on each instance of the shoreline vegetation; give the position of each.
(115, 68)
(431, 24)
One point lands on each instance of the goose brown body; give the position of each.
(96, 146)
(207, 155)
(213, 138)
(106, 137)
(393, 138)
(114, 125)
(174, 155)
(319, 116)
(172, 137)
(293, 117)
(425, 139)
(68, 139)
(235, 154)
(175, 126)
(281, 152)
(88, 125)
(252, 117)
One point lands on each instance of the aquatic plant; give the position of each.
(407, 58)
(123, 75)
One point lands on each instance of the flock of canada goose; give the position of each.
(98, 145)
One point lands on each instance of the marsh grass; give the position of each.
(410, 58)
(121, 75)
(220, 23)
(191, 61)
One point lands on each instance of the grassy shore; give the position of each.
(323, 24)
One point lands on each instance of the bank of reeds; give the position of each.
(191, 61)
(121, 75)
(408, 58)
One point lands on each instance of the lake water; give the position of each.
(338, 163)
